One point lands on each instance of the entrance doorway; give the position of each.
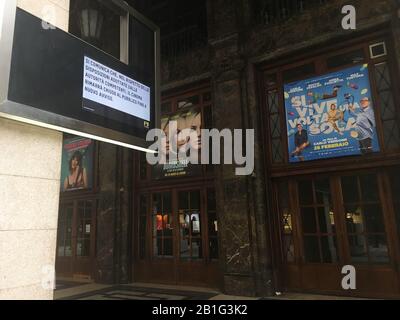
(328, 222)
(177, 238)
(76, 240)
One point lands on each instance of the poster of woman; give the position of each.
(77, 164)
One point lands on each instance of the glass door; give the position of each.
(327, 222)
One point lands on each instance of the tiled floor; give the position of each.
(130, 292)
(69, 290)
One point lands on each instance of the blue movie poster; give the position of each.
(331, 116)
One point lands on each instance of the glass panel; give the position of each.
(197, 252)
(323, 192)
(275, 126)
(350, 189)
(157, 249)
(373, 218)
(329, 252)
(377, 248)
(308, 220)
(326, 220)
(299, 72)
(354, 219)
(211, 201)
(84, 228)
(382, 76)
(271, 80)
(306, 192)
(168, 247)
(65, 232)
(353, 57)
(288, 248)
(195, 200)
(162, 225)
(391, 133)
(183, 200)
(388, 109)
(167, 202)
(358, 248)
(311, 249)
(277, 152)
(189, 102)
(214, 248)
(273, 101)
(185, 248)
(166, 108)
(369, 188)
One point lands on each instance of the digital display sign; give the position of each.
(55, 80)
(111, 88)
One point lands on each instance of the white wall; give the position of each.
(30, 165)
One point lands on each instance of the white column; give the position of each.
(30, 165)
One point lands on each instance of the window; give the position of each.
(364, 219)
(190, 227)
(65, 231)
(286, 222)
(318, 221)
(84, 228)
(387, 106)
(162, 225)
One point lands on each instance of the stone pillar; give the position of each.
(30, 165)
(106, 213)
(113, 215)
(244, 254)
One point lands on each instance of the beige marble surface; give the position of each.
(54, 11)
(29, 199)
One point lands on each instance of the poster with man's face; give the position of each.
(331, 116)
(77, 164)
(189, 119)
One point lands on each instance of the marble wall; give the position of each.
(30, 165)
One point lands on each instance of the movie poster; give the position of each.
(189, 119)
(331, 116)
(77, 164)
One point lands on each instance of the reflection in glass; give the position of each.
(350, 189)
(358, 248)
(369, 188)
(354, 219)
(326, 220)
(308, 220)
(306, 192)
(378, 250)
(373, 218)
(311, 249)
(289, 247)
(323, 192)
(329, 251)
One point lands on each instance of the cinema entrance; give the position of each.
(333, 145)
(329, 221)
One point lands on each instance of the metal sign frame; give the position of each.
(30, 115)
